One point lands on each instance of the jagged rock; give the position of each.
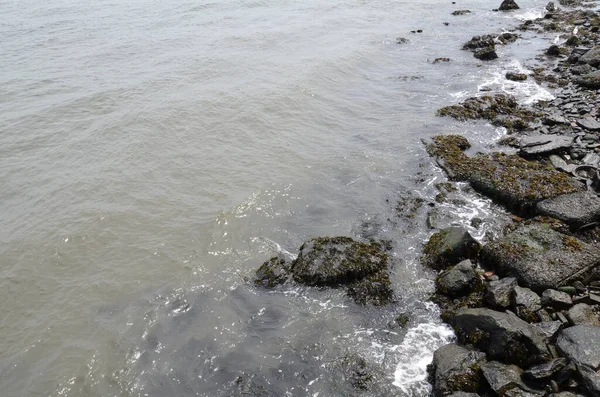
(575, 209)
(478, 42)
(525, 303)
(589, 123)
(516, 76)
(505, 380)
(486, 54)
(504, 336)
(508, 5)
(545, 370)
(540, 257)
(581, 344)
(273, 272)
(590, 80)
(498, 293)
(544, 144)
(583, 314)
(456, 368)
(458, 280)
(448, 247)
(549, 328)
(556, 299)
(592, 57)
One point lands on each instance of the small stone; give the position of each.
(583, 314)
(589, 123)
(516, 76)
(498, 293)
(508, 5)
(556, 299)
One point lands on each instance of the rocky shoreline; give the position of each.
(525, 306)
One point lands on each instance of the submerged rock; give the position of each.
(540, 257)
(456, 368)
(273, 272)
(508, 5)
(575, 209)
(516, 76)
(448, 247)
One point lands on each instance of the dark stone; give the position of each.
(478, 42)
(581, 344)
(448, 247)
(505, 380)
(273, 272)
(401, 40)
(554, 119)
(540, 257)
(374, 290)
(456, 368)
(583, 314)
(589, 123)
(553, 51)
(458, 280)
(516, 76)
(508, 37)
(356, 371)
(498, 293)
(578, 70)
(545, 370)
(590, 80)
(549, 328)
(556, 299)
(575, 209)
(461, 12)
(544, 144)
(504, 336)
(508, 5)
(592, 57)
(438, 60)
(576, 54)
(525, 303)
(486, 54)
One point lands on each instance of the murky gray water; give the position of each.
(154, 153)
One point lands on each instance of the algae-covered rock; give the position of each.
(478, 42)
(575, 209)
(273, 272)
(456, 368)
(375, 289)
(541, 258)
(516, 76)
(356, 371)
(448, 247)
(509, 179)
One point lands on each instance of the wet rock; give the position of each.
(590, 80)
(540, 257)
(544, 144)
(461, 12)
(576, 53)
(553, 51)
(575, 209)
(505, 380)
(516, 76)
(448, 247)
(486, 54)
(525, 303)
(508, 179)
(583, 314)
(456, 368)
(589, 123)
(458, 280)
(592, 57)
(581, 69)
(355, 371)
(498, 293)
(504, 336)
(401, 40)
(550, 7)
(581, 344)
(508, 5)
(478, 42)
(374, 290)
(273, 272)
(545, 370)
(508, 37)
(556, 299)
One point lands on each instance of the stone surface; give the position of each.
(478, 42)
(541, 258)
(545, 370)
(575, 209)
(544, 144)
(504, 336)
(581, 344)
(273, 272)
(498, 293)
(448, 247)
(592, 57)
(589, 123)
(458, 280)
(508, 5)
(583, 314)
(505, 380)
(556, 299)
(455, 368)
(549, 328)
(589, 80)
(516, 76)
(486, 54)
(526, 303)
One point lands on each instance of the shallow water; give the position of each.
(153, 154)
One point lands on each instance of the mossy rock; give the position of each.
(448, 247)
(272, 273)
(375, 290)
(456, 368)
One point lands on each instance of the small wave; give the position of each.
(528, 14)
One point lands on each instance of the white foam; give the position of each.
(529, 14)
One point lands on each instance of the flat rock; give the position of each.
(504, 336)
(581, 344)
(544, 144)
(549, 328)
(541, 258)
(589, 123)
(556, 299)
(554, 119)
(575, 209)
(448, 247)
(505, 380)
(498, 293)
(455, 368)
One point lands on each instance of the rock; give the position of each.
(541, 258)
(549, 328)
(544, 144)
(509, 179)
(374, 290)
(583, 314)
(458, 280)
(508, 5)
(508, 37)
(516, 76)
(581, 69)
(554, 119)
(553, 51)
(486, 54)
(503, 336)
(590, 80)
(560, 164)
(505, 380)
(550, 7)
(401, 40)
(592, 57)
(556, 299)
(463, 394)
(478, 42)
(438, 60)
(576, 53)
(456, 368)
(589, 123)
(448, 247)
(273, 272)
(575, 209)
(498, 293)
(525, 303)
(545, 370)
(356, 372)
(461, 12)
(581, 344)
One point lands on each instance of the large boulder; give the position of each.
(583, 314)
(581, 344)
(457, 281)
(456, 368)
(508, 5)
(504, 336)
(575, 209)
(448, 247)
(508, 179)
(541, 258)
(592, 57)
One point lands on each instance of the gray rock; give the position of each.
(541, 258)
(525, 303)
(455, 368)
(505, 380)
(478, 42)
(560, 164)
(589, 80)
(508, 5)
(578, 70)
(544, 144)
(556, 299)
(513, 76)
(504, 336)
(554, 119)
(589, 123)
(448, 247)
(463, 394)
(272, 272)
(581, 344)
(549, 328)
(498, 293)
(486, 54)
(583, 314)
(592, 57)
(457, 281)
(575, 209)
(545, 370)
